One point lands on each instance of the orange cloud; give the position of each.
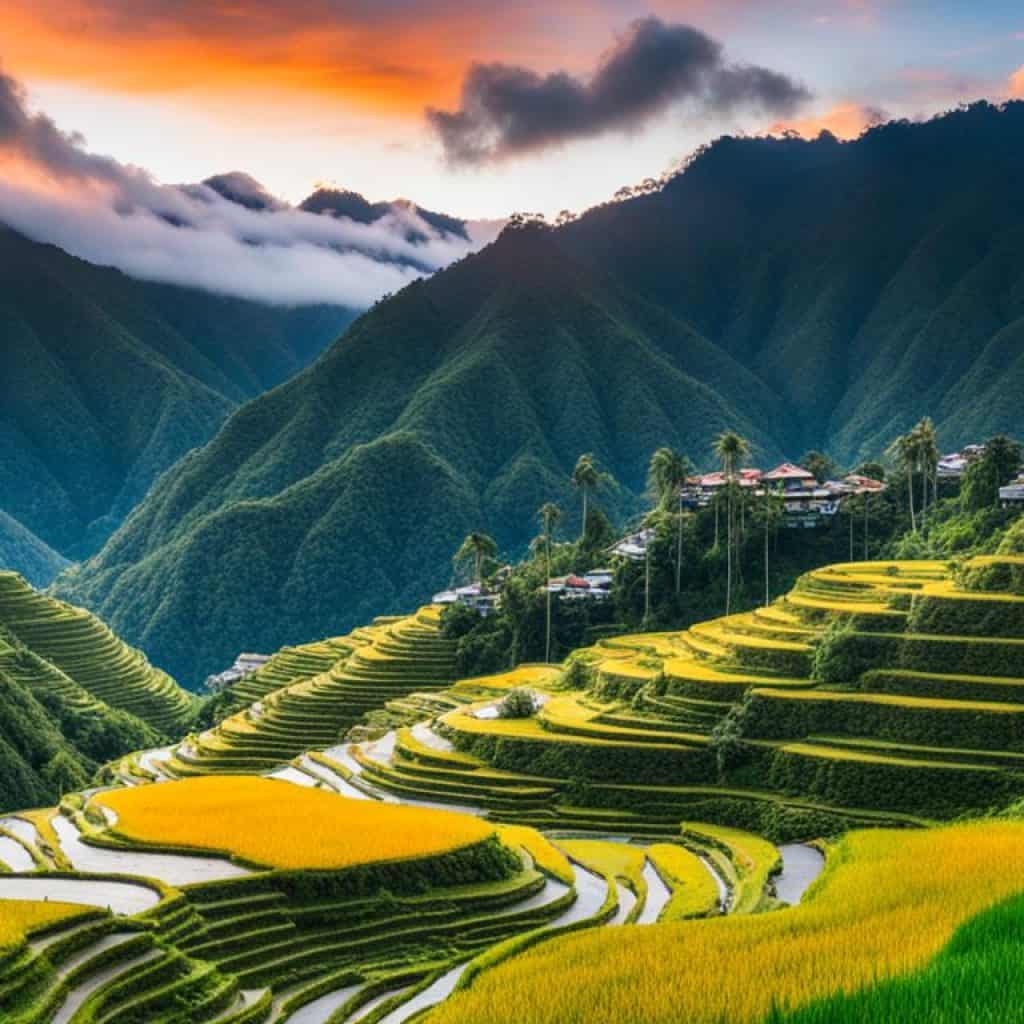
(845, 121)
(1017, 83)
(392, 57)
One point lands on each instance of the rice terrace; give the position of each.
(511, 514)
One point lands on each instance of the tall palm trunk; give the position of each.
(728, 554)
(583, 531)
(679, 546)
(865, 527)
(547, 641)
(910, 491)
(647, 584)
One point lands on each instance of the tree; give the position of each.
(998, 465)
(666, 477)
(874, 470)
(772, 509)
(476, 548)
(549, 514)
(587, 478)
(822, 466)
(927, 446)
(904, 452)
(731, 450)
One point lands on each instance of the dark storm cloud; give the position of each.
(506, 110)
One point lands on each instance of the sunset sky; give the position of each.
(299, 91)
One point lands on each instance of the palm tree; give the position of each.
(476, 548)
(926, 443)
(666, 477)
(549, 514)
(731, 450)
(585, 478)
(772, 510)
(904, 451)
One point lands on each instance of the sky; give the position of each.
(469, 107)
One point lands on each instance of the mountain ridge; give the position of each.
(719, 303)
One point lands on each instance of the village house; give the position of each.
(473, 595)
(594, 586)
(1012, 495)
(245, 665)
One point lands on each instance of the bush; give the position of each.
(518, 703)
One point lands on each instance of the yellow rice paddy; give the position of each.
(888, 902)
(280, 825)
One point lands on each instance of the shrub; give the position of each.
(518, 703)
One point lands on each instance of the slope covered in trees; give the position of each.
(22, 549)
(795, 291)
(105, 381)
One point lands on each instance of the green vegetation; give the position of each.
(107, 381)
(463, 403)
(72, 697)
(976, 977)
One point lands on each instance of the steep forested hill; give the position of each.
(804, 293)
(106, 381)
(34, 559)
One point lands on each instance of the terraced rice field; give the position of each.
(888, 904)
(308, 697)
(646, 816)
(84, 663)
(298, 827)
(20, 918)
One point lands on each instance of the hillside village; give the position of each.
(804, 501)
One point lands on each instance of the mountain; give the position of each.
(796, 291)
(34, 558)
(106, 381)
(345, 203)
(72, 696)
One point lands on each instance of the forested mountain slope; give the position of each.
(803, 293)
(35, 559)
(106, 381)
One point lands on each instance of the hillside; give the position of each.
(106, 381)
(794, 291)
(72, 696)
(74, 658)
(23, 550)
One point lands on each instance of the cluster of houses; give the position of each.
(805, 501)
(954, 465)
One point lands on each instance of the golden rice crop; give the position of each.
(546, 856)
(752, 858)
(281, 825)
(620, 860)
(19, 917)
(694, 892)
(889, 901)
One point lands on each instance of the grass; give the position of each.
(694, 893)
(887, 903)
(978, 977)
(19, 918)
(279, 825)
(546, 856)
